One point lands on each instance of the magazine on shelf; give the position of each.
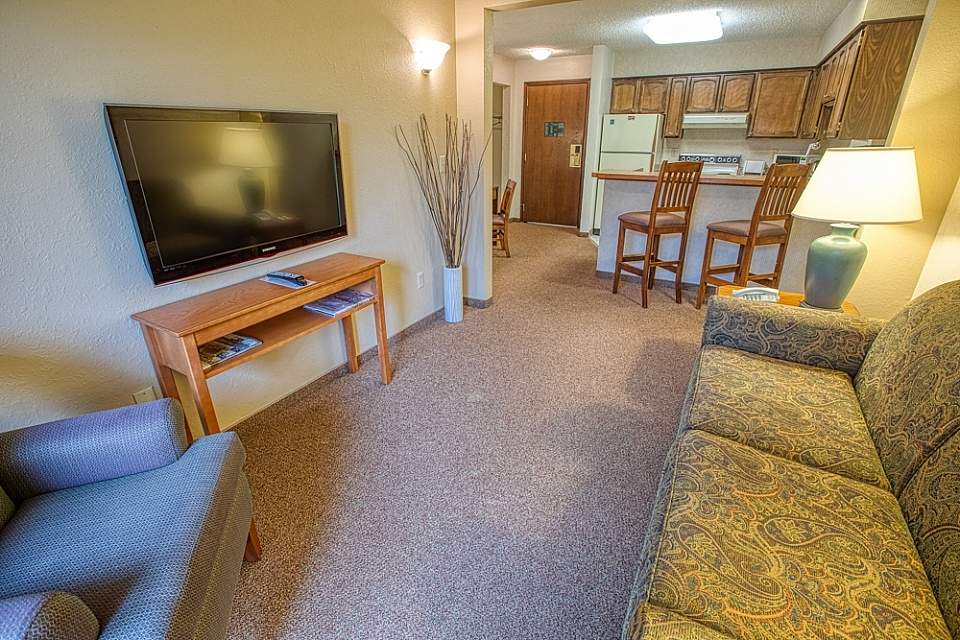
(339, 302)
(224, 348)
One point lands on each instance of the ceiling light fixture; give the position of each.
(690, 26)
(429, 54)
(540, 53)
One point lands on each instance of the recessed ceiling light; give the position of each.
(540, 53)
(690, 26)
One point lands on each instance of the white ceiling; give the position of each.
(574, 27)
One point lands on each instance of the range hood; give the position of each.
(715, 120)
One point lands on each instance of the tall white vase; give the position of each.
(453, 294)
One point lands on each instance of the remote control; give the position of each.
(295, 278)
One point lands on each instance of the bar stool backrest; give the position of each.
(676, 190)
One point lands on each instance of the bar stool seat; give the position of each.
(742, 228)
(642, 219)
(669, 214)
(499, 219)
(769, 226)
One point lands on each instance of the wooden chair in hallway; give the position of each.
(501, 220)
(669, 213)
(770, 225)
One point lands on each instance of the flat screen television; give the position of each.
(212, 188)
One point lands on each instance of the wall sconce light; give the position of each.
(429, 54)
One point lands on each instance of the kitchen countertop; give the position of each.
(651, 176)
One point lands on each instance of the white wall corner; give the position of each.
(943, 261)
(601, 75)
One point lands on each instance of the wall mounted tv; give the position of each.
(212, 188)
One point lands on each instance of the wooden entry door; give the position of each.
(554, 126)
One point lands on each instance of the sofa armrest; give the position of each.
(91, 448)
(807, 336)
(52, 615)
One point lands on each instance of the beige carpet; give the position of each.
(498, 489)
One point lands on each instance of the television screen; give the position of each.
(211, 188)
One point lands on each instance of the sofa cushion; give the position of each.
(931, 505)
(138, 550)
(909, 384)
(755, 546)
(799, 412)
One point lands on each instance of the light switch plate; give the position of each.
(144, 395)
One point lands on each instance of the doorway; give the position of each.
(554, 128)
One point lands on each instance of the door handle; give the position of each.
(576, 156)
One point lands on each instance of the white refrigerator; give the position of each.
(628, 142)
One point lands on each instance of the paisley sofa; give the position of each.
(813, 490)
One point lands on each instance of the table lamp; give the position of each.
(850, 187)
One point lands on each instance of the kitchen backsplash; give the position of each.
(730, 142)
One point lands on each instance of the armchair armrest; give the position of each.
(53, 615)
(91, 448)
(807, 336)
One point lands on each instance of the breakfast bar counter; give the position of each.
(719, 198)
(651, 176)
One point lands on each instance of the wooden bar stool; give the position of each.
(669, 213)
(781, 190)
(501, 220)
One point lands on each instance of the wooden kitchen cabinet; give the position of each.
(653, 95)
(885, 51)
(673, 122)
(843, 73)
(736, 90)
(702, 94)
(624, 96)
(778, 104)
(852, 94)
(810, 120)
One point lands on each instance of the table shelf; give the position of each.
(277, 331)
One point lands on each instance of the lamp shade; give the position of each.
(429, 54)
(863, 185)
(242, 147)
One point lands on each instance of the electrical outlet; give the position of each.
(419, 279)
(145, 395)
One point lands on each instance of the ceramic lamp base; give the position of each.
(833, 264)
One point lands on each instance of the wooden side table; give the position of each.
(789, 298)
(271, 313)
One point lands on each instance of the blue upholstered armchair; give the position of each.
(110, 527)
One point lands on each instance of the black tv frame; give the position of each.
(116, 114)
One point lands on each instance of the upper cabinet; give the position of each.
(673, 122)
(885, 50)
(736, 90)
(624, 98)
(778, 104)
(811, 108)
(852, 94)
(653, 95)
(702, 94)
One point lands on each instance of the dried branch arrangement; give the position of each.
(447, 178)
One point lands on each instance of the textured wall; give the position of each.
(943, 263)
(72, 273)
(716, 56)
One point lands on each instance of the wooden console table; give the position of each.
(268, 312)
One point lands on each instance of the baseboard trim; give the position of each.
(477, 303)
(634, 278)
